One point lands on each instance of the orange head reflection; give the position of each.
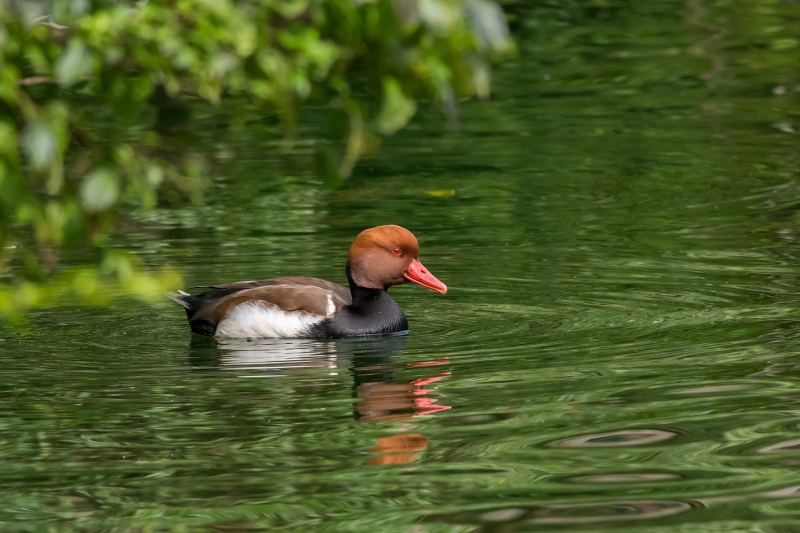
(380, 398)
(398, 449)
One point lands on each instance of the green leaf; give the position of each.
(155, 175)
(8, 139)
(74, 64)
(397, 108)
(489, 25)
(39, 145)
(99, 190)
(437, 14)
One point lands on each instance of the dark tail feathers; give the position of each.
(193, 302)
(187, 301)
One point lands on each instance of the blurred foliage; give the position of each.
(89, 88)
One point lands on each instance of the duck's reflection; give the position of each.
(380, 394)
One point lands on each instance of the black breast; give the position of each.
(372, 313)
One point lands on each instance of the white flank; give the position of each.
(252, 320)
(330, 308)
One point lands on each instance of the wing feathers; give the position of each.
(314, 298)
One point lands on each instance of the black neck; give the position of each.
(373, 312)
(362, 296)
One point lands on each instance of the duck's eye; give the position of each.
(397, 251)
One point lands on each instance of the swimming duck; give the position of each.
(295, 306)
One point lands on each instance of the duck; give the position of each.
(303, 307)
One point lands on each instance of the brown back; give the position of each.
(308, 295)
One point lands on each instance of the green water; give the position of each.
(618, 350)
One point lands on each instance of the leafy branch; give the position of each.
(82, 86)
